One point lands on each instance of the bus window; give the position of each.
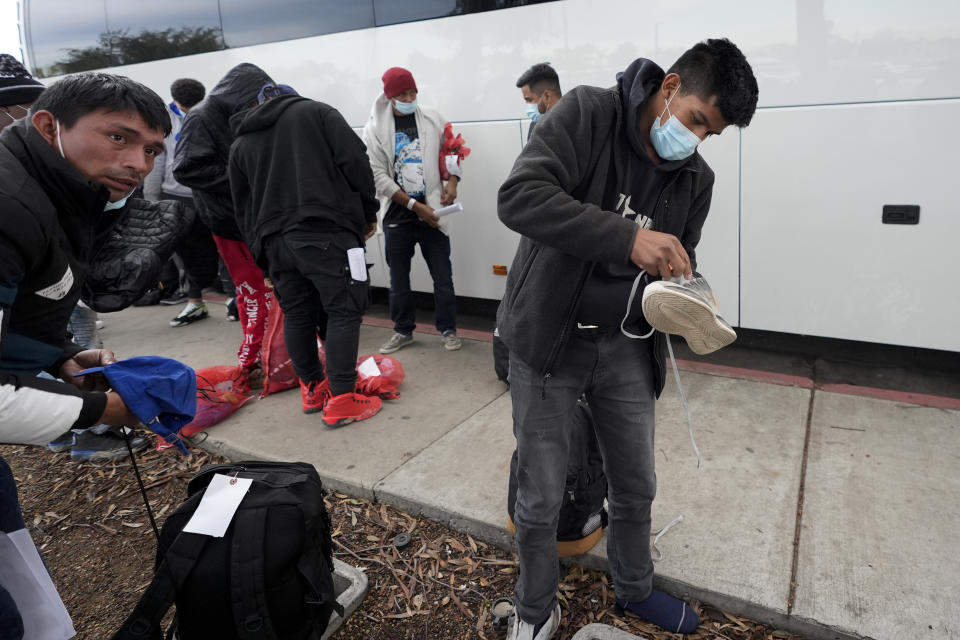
(64, 40)
(143, 30)
(248, 22)
(393, 12)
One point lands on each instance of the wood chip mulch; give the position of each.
(89, 521)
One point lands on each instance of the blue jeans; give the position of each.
(399, 242)
(616, 374)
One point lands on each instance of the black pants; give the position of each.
(311, 279)
(198, 252)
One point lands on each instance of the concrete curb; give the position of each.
(499, 537)
(350, 585)
(598, 631)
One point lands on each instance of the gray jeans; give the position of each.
(616, 374)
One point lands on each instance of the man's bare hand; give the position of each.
(660, 254)
(449, 193)
(371, 229)
(85, 360)
(116, 413)
(425, 213)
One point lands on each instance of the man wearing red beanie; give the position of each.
(403, 142)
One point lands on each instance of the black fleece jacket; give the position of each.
(295, 160)
(560, 197)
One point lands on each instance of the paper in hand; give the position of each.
(445, 211)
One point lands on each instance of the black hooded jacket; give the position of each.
(296, 160)
(203, 150)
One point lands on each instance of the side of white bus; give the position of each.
(811, 229)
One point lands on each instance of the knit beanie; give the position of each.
(396, 80)
(17, 86)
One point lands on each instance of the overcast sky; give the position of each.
(9, 41)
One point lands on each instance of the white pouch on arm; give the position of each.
(452, 164)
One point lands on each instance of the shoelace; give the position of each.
(673, 360)
(660, 533)
(683, 399)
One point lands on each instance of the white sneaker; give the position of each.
(396, 342)
(451, 341)
(520, 630)
(687, 308)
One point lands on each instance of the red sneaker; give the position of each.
(349, 407)
(314, 395)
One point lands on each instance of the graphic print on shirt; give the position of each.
(623, 208)
(408, 165)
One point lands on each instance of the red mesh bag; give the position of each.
(216, 398)
(383, 385)
(277, 366)
(452, 153)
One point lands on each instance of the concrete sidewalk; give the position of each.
(826, 514)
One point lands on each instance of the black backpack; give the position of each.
(270, 577)
(582, 516)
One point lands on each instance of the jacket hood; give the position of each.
(636, 83)
(238, 89)
(263, 116)
(383, 108)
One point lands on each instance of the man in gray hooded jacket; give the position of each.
(608, 194)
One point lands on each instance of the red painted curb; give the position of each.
(921, 399)
(483, 336)
(739, 373)
(937, 402)
(755, 375)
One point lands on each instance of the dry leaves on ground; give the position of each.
(91, 525)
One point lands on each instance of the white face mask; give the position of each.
(112, 206)
(60, 144)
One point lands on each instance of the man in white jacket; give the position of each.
(403, 141)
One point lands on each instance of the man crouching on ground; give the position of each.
(609, 185)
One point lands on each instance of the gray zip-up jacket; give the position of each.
(560, 197)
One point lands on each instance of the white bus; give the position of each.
(834, 214)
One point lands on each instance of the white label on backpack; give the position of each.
(218, 505)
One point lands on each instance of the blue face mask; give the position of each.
(673, 141)
(533, 112)
(113, 206)
(406, 108)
